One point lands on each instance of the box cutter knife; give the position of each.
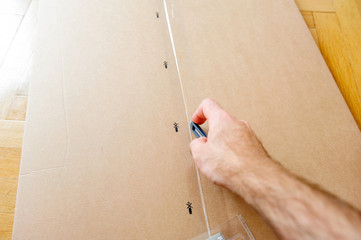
(197, 130)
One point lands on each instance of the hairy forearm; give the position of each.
(293, 208)
(233, 157)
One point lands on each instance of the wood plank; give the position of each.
(19, 55)
(11, 133)
(14, 70)
(308, 17)
(358, 2)
(9, 162)
(316, 5)
(335, 53)
(6, 98)
(314, 35)
(6, 225)
(8, 27)
(349, 17)
(23, 89)
(8, 189)
(18, 108)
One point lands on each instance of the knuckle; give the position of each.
(245, 123)
(208, 100)
(228, 118)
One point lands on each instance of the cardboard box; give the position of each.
(102, 158)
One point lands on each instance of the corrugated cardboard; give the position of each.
(101, 159)
(259, 61)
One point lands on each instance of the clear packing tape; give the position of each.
(233, 229)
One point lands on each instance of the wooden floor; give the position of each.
(336, 27)
(334, 24)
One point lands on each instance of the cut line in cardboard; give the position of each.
(102, 96)
(186, 111)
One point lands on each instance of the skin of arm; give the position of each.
(233, 157)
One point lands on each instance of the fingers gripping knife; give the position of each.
(235, 228)
(197, 130)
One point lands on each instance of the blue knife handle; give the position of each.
(197, 130)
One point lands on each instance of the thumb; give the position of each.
(197, 146)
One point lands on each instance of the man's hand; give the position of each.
(233, 157)
(230, 149)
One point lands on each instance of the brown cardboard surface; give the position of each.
(259, 61)
(101, 159)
